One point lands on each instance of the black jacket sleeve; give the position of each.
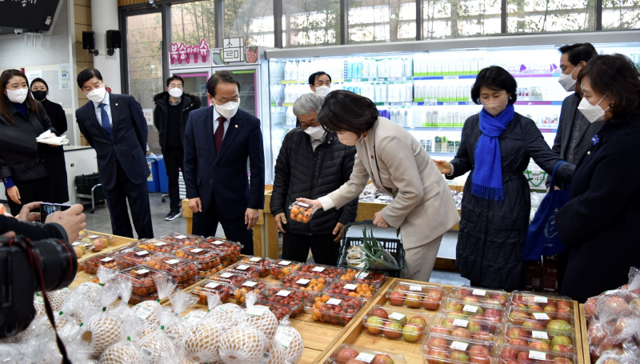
(59, 119)
(45, 120)
(557, 144)
(350, 210)
(281, 180)
(539, 150)
(462, 162)
(33, 231)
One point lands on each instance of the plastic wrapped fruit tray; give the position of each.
(188, 283)
(517, 336)
(135, 299)
(209, 287)
(533, 355)
(483, 295)
(459, 325)
(91, 265)
(130, 257)
(207, 273)
(250, 285)
(533, 302)
(361, 290)
(358, 354)
(234, 279)
(413, 295)
(183, 239)
(292, 298)
(228, 249)
(491, 313)
(334, 309)
(259, 262)
(142, 282)
(205, 259)
(321, 271)
(158, 246)
(392, 323)
(281, 268)
(253, 271)
(554, 325)
(178, 268)
(305, 283)
(441, 349)
(98, 241)
(280, 311)
(364, 276)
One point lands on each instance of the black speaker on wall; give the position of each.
(87, 40)
(114, 39)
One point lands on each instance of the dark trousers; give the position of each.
(324, 249)
(138, 197)
(206, 224)
(174, 162)
(31, 191)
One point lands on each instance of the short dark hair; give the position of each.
(38, 79)
(88, 74)
(221, 77)
(346, 111)
(173, 78)
(578, 52)
(495, 78)
(617, 76)
(314, 76)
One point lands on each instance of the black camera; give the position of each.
(27, 267)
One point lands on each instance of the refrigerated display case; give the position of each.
(425, 86)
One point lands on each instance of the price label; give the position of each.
(242, 267)
(479, 292)
(470, 308)
(218, 242)
(142, 253)
(350, 287)
(172, 261)
(159, 244)
(142, 271)
(180, 236)
(194, 317)
(212, 285)
(283, 293)
(249, 284)
(365, 357)
(284, 262)
(196, 251)
(541, 316)
(415, 288)
(128, 250)
(540, 299)
(284, 337)
(302, 282)
(458, 345)
(397, 316)
(77, 243)
(143, 312)
(334, 301)
(450, 77)
(537, 355)
(226, 275)
(93, 236)
(40, 300)
(460, 323)
(540, 335)
(255, 259)
(362, 275)
(106, 260)
(257, 310)
(302, 204)
(146, 352)
(318, 269)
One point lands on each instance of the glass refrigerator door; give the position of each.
(196, 84)
(248, 89)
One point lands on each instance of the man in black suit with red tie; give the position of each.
(116, 128)
(218, 142)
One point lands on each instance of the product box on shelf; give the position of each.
(518, 336)
(142, 282)
(206, 260)
(533, 355)
(234, 279)
(364, 276)
(179, 269)
(281, 268)
(356, 354)
(393, 323)
(158, 246)
(552, 314)
(91, 265)
(183, 239)
(293, 298)
(479, 295)
(459, 325)
(209, 287)
(321, 271)
(490, 312)
(334, 309)
(305, 283)
(361, 290)
(442, 349)
(414, 295)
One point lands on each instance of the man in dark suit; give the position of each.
(218, 141)
(116, 128)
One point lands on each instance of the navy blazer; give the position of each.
(129, 142)
(224, 175)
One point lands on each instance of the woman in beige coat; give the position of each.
(422, 208)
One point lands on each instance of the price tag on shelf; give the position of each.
(257, 310)
(541, 316)
(196, 251)
(142, 271)
(362, 275)
(284, 338)
(460, 323)
(365, 357)
(255, 259)
(540, 299)
(242, 267)
(334, 301)
(180, 236)
(250, 284)
(397, 316)
(539, 335)
(226, 275)
(350, 287)
(415, 288)
(172, 261)
(93, 236)
(218, 242)
(284, 262)
(283, 293)
(212, 285)
(106, 260)
(302, 282)
(318, 269)
(458, 345)
(479, 292)
(537, 355)
(470, 308)
(142, 253)
(159, 243)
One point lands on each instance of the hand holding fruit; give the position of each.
(312, 203)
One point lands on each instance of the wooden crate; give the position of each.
(118, 242)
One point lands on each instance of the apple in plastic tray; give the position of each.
(334, 309)
(304, 283)
(416, 296)
(438, 349)
(361, 290)
(209, 287)
(491, 313)
(240, 292)
(348, 355)
(477, 326)
(291, 298)
(393, 324)
(541, 321)
(553, 306)
(518, 336)
(534, 353)
(179, 269)
(484, 296)
(321, 271)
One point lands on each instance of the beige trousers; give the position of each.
(419, 261)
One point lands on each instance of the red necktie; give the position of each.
(219, 134)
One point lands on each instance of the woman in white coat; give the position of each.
(422, 207)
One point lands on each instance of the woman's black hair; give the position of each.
(495, 78)
(346, 111)
(617, 76)
(41, 81)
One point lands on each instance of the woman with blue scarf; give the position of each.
(496, 147)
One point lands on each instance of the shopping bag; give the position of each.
(542, 235)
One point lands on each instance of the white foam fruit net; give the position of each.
(101, 332)
(290, 340)
(276, 353)
(147, 311)
(260, 317)
(242, 345)
(121, 353)
(202, 343)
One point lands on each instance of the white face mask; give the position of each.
(322, 90)
(316, 132)
(97, 94)
(567, 81)
(18, 96)
(228, 110)
(593, 113)
(175, 92)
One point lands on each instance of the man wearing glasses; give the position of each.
(218, 142)
(170, 116)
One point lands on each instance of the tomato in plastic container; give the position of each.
(361, 290)
(248, 286)
(292, 298)
(334, 309)
(131, 257)
(229, 250)
(301, 212)
(280, 311)
(142, 282)
(414, 295)
(183, 239)
(263, 263)
(135, 298)
(159, 246)
(253, 271)
(208, 287)
(322, 271)
(393, 323)
(178, 268)
(364, 276)
(91, 265)
(204, 258)
(305, 283)
(281, 268)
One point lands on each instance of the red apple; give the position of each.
(392, 330)
(508, 353)
(413, 300)
(374, 325)
(435, 294)
(470, 300)
(380, 313)
(436, 356)
(459, 356)
(492, 313)
(479, 354)
(462, 293)
(440, 330)
(550, 311)
(535, 308)
(345, 354)
(518, 342)
(382, 359)
(396, 298)
(532, 325)
(518, 317)
(474, 326)
(538, 346)
(431, 304)
(482, 336)
(562, 340)
(558, 349)
(523, 356)
(461, 333)
(454, 306)
(500, 298)
(516, 333)
(438, 343)
(411, 333)
(355, 361)
(559, 327)
(402, 288)
(419, 321)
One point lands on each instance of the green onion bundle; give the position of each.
(377, 257)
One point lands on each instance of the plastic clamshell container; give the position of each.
(188, 283)
(413, 295)
(135, 299)
(305, 283)
(179, 269)
(253, 271)
(334, 309)
(204, 258)
(250, 285)
(227, 248)
(209, 287)
(301, 212)
(132, 256)
(321, 271)
(281, 268)
(533, 301)
(159, 246)
(441, 349)
(554, 324)
(361, 290)
(91, 265)
(533, 355)
(234, 279)
(518, 336)
(393, 323)
(206, 273)
(293, 298)
(491, 313)
(83, 245)
(366, 355)
(183, 239)
(258, 261)
(364, 276)
(280, 311)
(482, 295)
(142, 282)
(459, 325)
(98, 241)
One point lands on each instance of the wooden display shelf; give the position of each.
(586, 355)
(118, 242)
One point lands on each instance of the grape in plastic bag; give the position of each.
(242, 345)
(259, 317)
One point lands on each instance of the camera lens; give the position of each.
(59, 264)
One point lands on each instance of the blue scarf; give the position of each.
(487, 172)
